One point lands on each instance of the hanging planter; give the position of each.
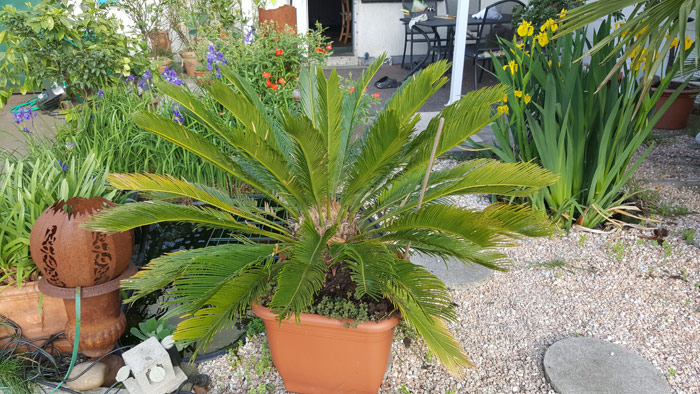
(70, 256)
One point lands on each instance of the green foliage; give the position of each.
(256, 326)
(581, 240)
(343, 308)
(668, 249)
(251, 56)
(619, 250)
(106, 125)
(152, 327)
(30, 185)
(688, 235)
(538, 12)
(348, 204)
(55, 42)
(12, 380)
(652, 25)
(146, 15)
(557, 118)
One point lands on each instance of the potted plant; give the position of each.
(343, 216)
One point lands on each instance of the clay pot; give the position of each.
(159, 39)
(38, 322)
(69, 255)
(321, 355)
(190, 62)
(677, 115)
(163, 65)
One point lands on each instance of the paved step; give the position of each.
(455, 274)
(592, 366)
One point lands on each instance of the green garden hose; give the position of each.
(75, 341)
(31, 103)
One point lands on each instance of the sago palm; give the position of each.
(334, 203)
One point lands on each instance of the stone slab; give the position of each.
(592, 366)
(455, 274)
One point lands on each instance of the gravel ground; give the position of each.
(617, 286)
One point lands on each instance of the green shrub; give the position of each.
(265, 50)
(557, 118)
(53, 42)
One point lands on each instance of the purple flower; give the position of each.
(250, 36)
(26, 131)
(19, 116)
(70, 145)
(177, 115)
(24, 113)
(147, 75)
(215, 58)
(63, 166)
(100, 93)
(171, 76)
(131, 78)
(142, 84)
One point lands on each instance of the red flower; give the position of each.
(274, 86)
(279, 52)
(320, 50)
(281, 81)
(223, 35)
(268, 83)
(376, 95)
(221, 113)
(266, 74)
(329, 48)
(352, 89)
(275, 39)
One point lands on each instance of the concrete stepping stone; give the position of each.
(593, 366)
(455, 274)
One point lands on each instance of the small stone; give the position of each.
(93, 377)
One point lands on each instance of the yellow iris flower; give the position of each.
(675, 42)
(525, 29)
(518, 93)
(542, 38)
(688, 42)
(527, 98)
(513, 66)
(502, 109)
(550, 24)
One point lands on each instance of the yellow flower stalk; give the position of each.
(525, 29)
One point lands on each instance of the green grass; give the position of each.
(688, 235)
(11, 379)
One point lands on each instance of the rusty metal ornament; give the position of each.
(70, 256)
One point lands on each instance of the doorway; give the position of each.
(335, 16)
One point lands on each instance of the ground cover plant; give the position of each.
(560, 115)
(350, 207)
(54, 42)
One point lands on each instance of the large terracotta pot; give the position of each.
(70, 256)
(677, 115)
(38, 317)
(190, 62)
(322, 355)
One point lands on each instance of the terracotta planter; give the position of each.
(71, 256)
(190, 62)
(37, 322)
(159, 39)
(677, 115)
(321, 355)
(163, 65)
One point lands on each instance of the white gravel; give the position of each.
(617, 287)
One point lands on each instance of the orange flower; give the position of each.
(223, 35)
(329, 48)
(352, 90)
(320, 50)
(376, 95)
(274, 86)
(268, 83)
(266, 74)
(279, 52)
(281, 81)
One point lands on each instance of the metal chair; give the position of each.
(487, 34)
(412, 36)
